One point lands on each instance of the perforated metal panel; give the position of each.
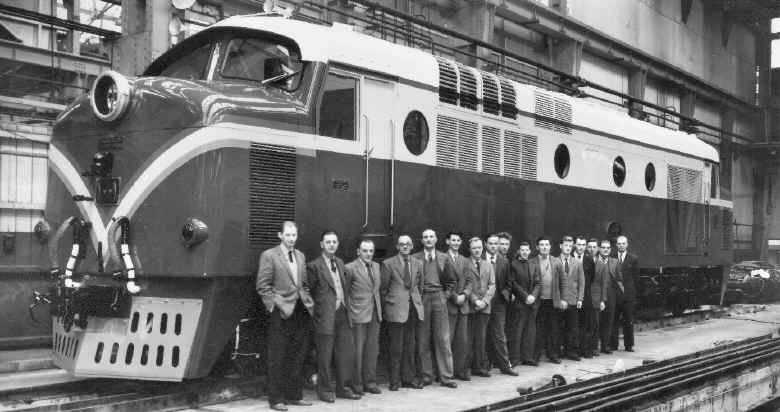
(272, 172)
(154, 343)
(491, 150)
(544, 110)
(448, 82)
(529, 154)
(468, 87)
(563, 115)
(508, 99)
(512, 154)
(467, 145)
(728, 230)
(683, 184)
(446, 141)
(490, 102)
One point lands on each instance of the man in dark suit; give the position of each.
(482, 291)
(552, 287)
(595, 296)
(332, 327)
(498, 307)
(435, 321)
(525, 285)
(283, 288)
(574, 294)
(505, 245)
(402, 282)
(624, 308)
(458, 306)
(609, 269)
(365, 312)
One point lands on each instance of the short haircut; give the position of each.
(603, 241)
(581, 237)
(287, 223)
(366, 241)
(541, 238)
(474, 239)
(427, 229)
(456, 233)
(593, 240)
(504, 235)
(524, 243)
(567, 238)
(624, 237)
(328, 232)
(491, 235)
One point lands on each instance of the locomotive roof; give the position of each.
(339, 43)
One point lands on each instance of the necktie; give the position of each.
(289, 255)
(407, 273)
(370, 276)
(566, 265)
(622, 256)
(477, 262)
(493, 260)
(333, 265)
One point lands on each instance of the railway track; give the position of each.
(628, 390)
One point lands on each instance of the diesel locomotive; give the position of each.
(164, 189)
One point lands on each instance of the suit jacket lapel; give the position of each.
(326, 270)
(286, 265)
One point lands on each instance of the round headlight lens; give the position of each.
(110, 96)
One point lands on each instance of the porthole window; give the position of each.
(619, 171)
(416, 132)
(650, 177)
(562, 161)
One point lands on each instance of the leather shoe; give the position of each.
(508, 371)
(588, 356)
(373, 389)
(279, 406)
(298, 402)
(347, 393)
(555, 360)
(629, 349)
(327, 397)
(393, 386)
(531, 363)
(449, 383)
(483, 373)
(357, 391)
(426, 381)
(463, 377)
(413, 385)
(606, 351)
(573, 357)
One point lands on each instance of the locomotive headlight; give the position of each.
(110, 96)
(193, 232)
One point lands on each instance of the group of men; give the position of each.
(448, 316)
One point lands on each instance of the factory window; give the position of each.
(191, 65)
(619, 171)
(562, 161)
(416, 132)
(338, 107)
(650, 177)
(261, 60)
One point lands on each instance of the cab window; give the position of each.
(191, 65)
(338, 107)
(261, 60)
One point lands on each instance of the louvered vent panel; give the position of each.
(448, 82)
(512, 154)
(446, 141)
(529, 153)
(563, 115)
(728, 229)
(490, 94)
(272, 172)
(508, 103)
(468, 87)
(683, 184)
(467, 145)
(544, 111)
(491, 150)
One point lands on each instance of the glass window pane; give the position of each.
(190, 66)
(338, 108)
(258, 60)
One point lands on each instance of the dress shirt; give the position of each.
(334, 274)
(292, 264)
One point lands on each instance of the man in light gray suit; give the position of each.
(552, 286)
(402, 282)
(574, 295)
(365, 311)
(283, 288)
(483, 289)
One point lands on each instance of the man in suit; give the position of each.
(552, 287)
(458, 306)
(624, 308)
(595, 293)
(402, 282)
(609, 269)
(525, 285)
(498, 307)
(482, 291)
(365, 312)
(435, 321)
(573, 295)
(332, 327)
(283, 288)
(505, 245)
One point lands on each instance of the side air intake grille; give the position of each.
(490, 94)
(529, 154)
(563, 115)
(468, 88)
(448, 82)
(508, 104)
(728, 229)
(683, 184)
(552, 113)
(456, 143)
(491, 150)
(272, 171)
(520, 155)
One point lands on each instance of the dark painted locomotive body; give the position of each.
(202, 172)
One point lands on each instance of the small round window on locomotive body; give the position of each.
(650, 177)
(416, 133)
(619, 171)
(562, 161)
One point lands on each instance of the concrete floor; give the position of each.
(650, 345)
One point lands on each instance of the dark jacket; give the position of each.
(630, 271)
(524, 281)
(323, 291)
(501, 273)
(463, 277)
